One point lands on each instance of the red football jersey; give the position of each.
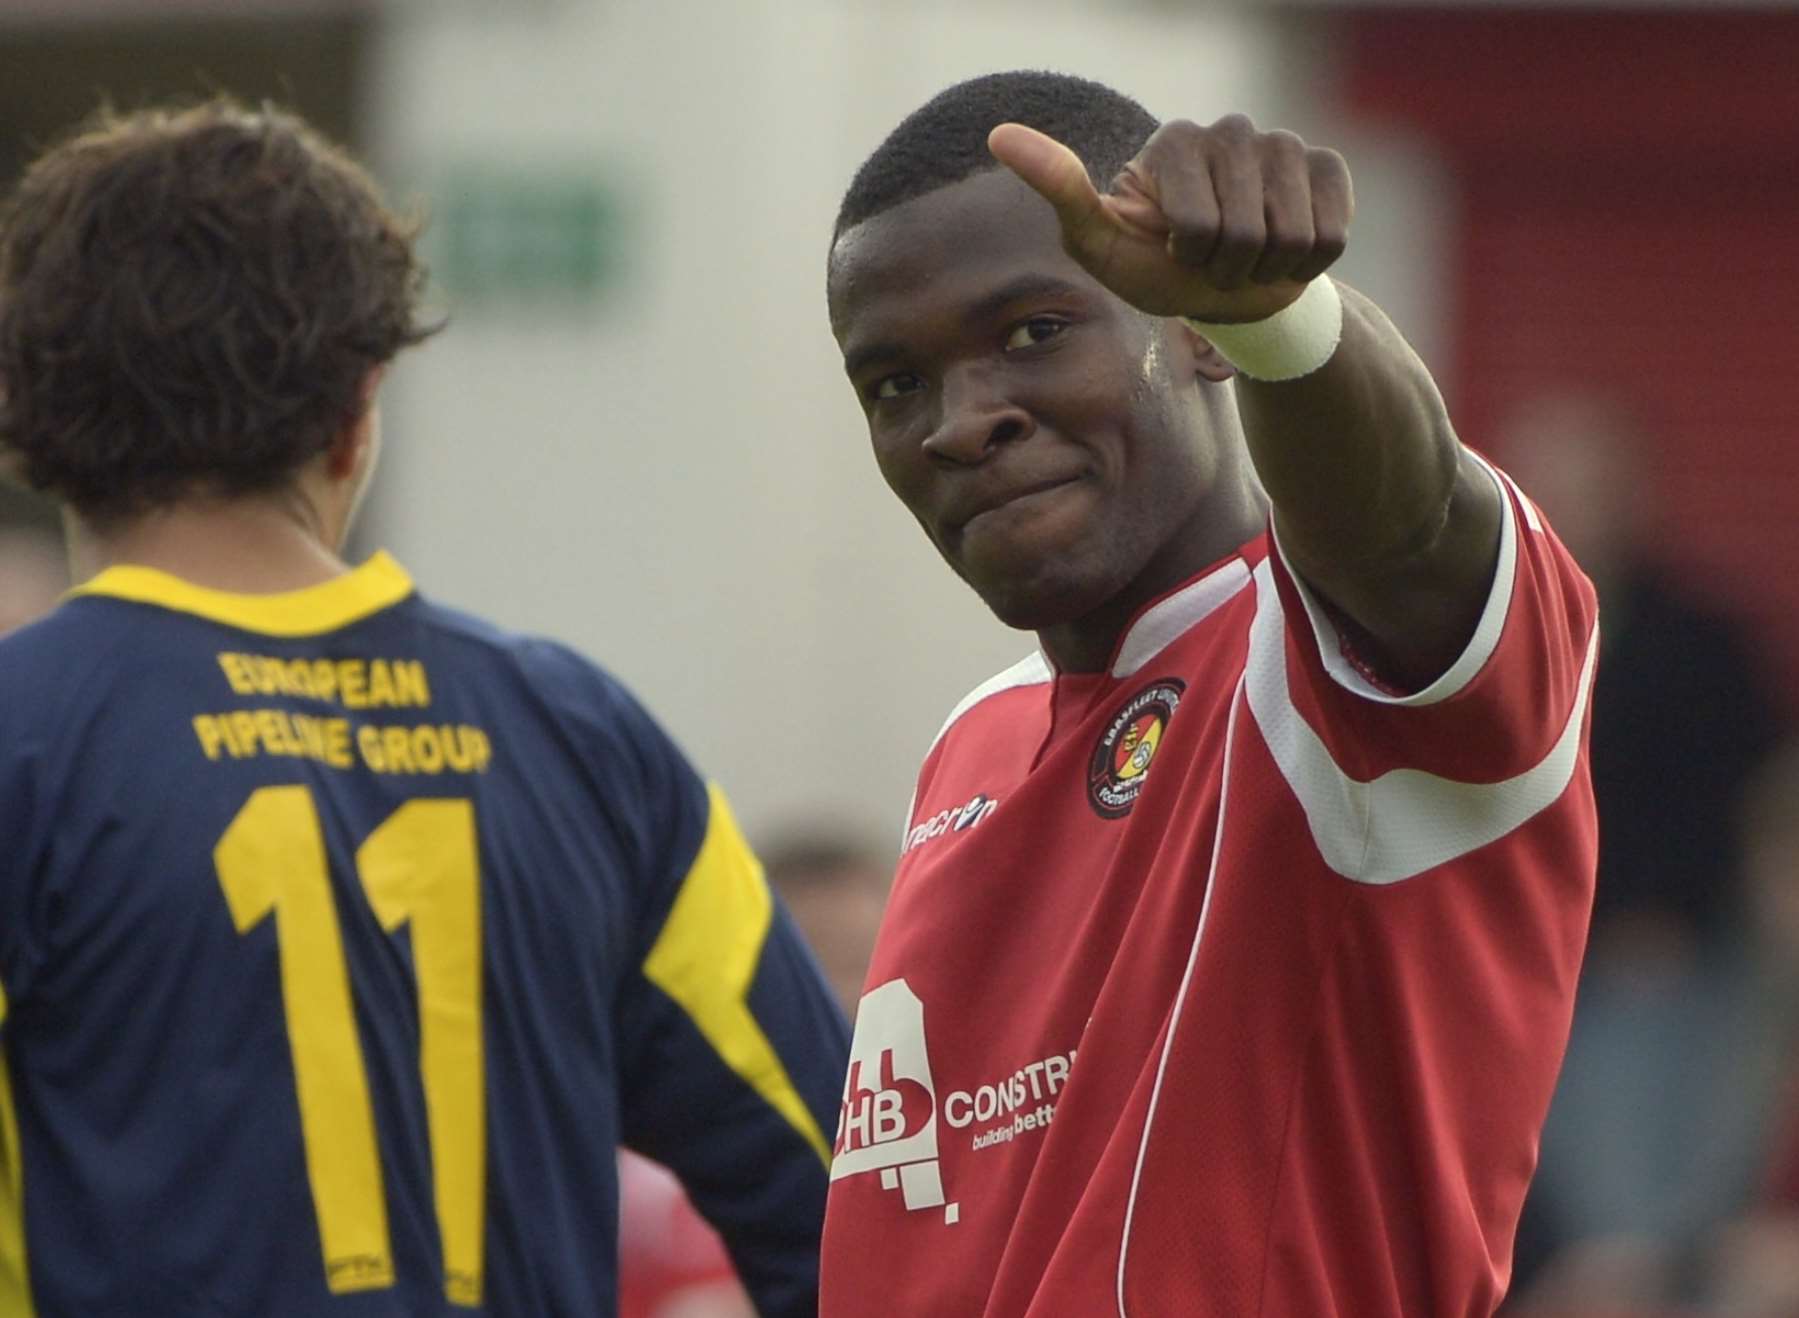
(1226, 983)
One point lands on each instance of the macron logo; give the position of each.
(953, 820)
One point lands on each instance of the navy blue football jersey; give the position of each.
(344, 938)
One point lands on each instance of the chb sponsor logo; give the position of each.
(892, 1118)
(898, 1110)
(887, 1121)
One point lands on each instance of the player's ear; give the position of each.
(1208, 362)
(349, 452)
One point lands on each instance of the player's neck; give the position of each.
(1231, 518)
(251, 546)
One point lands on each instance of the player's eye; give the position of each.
(1034, 330)
(897, 385)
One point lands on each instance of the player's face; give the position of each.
(1054, 443)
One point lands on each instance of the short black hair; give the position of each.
(945, 140)
(190, 299)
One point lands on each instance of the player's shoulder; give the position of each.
(557, 671)
(71, 655)
(556, 678)
(1030, 671)
(68, 630)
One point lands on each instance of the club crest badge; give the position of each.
(1121, 761)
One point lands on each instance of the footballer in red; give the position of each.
(1232, 952)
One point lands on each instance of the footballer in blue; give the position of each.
(344, 938)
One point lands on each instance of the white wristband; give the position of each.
(1294, 341)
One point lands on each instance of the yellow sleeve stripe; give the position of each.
(15, 1282)
(706, 956)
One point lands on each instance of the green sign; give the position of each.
(537, 238)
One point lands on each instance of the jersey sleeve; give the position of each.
(23, 828)
(1394, 784)
(732, 1050)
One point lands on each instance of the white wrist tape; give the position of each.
(1294, 341)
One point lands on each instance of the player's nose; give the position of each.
(976, 416)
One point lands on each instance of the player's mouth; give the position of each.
(1017, 522)
(999, 505)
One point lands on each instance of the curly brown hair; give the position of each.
(190, 300)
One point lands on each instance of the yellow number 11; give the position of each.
(420, 865)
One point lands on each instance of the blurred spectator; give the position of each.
(33, 574)
(1702, 1213)
(836, 888)
(1646, 1139)
(1681, 713)
(1750, 1268)
(671, 1264)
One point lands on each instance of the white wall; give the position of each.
(678, 482)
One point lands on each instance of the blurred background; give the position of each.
(636, 437)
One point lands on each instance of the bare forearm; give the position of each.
(1375, 502)
(1358, 456)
